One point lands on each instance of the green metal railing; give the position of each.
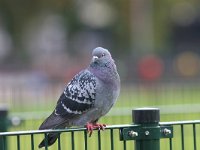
(193, 125)
(147, 132)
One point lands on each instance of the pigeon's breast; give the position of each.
(106, 96)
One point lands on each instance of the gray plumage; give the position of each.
(87, 97)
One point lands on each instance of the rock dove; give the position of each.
(87, 97)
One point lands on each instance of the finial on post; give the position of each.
(146, 115)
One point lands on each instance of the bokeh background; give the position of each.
(156, 46)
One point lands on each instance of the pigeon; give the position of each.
(87, 97)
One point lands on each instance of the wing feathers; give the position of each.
(78, 96)
(67, 105)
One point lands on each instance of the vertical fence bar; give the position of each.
(147, 118)
(73, 142)
(59, 146)
(194, 137)
(32, 142)
(99, 140)
(124, 144)
(182, 137)
(170, 143)
(18, 142)
(86, 140)
(111, 139)
(46, 141)
(3, 126)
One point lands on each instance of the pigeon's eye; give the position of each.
(103, 54)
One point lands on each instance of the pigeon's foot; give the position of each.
(91, 126)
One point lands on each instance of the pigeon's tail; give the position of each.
(52, 122)
(50, 140)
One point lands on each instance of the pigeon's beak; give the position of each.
(94, 58)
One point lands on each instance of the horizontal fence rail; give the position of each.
(146, 133)
(110, 133)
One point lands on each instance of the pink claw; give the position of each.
(90, 127)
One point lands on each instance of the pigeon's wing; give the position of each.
(77, 98)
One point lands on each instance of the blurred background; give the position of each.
(156, 46)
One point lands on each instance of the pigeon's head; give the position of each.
(102, 64)
(101, 58)
(100, 54)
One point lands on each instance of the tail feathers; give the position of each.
(51, 139)
(52, 122)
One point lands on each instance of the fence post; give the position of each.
(3, 125)
(148, 119)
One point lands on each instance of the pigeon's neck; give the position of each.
(107, 74)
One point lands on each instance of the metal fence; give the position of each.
(186, 134)
(146, 133)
